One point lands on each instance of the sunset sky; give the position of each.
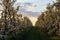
(33, 8)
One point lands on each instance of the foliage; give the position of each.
(55, 38)
(10, 20)
(50, 20)
(30, 33)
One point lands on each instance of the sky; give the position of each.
(33, 8)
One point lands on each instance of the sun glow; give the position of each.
(33, 20)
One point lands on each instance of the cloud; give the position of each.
(30, 13)
(28, 6)
(28, 9)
